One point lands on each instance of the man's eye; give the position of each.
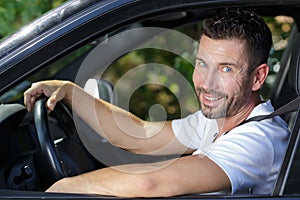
(201, 64)
(226, 69)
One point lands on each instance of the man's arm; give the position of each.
(185, 175)
(120, 127)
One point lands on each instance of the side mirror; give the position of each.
(100, 88)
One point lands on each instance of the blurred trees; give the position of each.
(281, 27)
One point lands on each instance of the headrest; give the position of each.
(294, 72)
(100, 88)
(11, 111)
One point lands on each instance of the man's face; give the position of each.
(220, 77)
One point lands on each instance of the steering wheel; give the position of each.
(67, 158)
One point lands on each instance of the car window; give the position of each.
(162, 98)
(166, 91)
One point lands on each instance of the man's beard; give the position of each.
(213, 112)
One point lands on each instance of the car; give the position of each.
(137, 55)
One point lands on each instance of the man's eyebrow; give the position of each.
(200, 59)
(222, 63)
(230, 64)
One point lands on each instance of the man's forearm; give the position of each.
(119, 126)
(123, 129)
(185, 175)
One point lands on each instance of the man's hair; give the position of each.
(245, 26)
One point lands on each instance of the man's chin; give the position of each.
(211, 114)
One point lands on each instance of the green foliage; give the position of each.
(16, 13)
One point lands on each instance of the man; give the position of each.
(231, 67)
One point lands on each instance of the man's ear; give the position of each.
(259, 76)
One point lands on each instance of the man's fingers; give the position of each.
(34, 92)
(51, 102)
(31, 95)
(54, 89)
(29, 99)
(55, 97)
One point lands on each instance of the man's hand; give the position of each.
(56, 91)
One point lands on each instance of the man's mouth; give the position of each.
(210, 99)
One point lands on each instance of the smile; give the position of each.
(212, 98)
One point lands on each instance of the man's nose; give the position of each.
(211, 80)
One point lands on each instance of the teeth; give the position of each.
(212, 98)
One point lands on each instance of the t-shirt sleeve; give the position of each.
(246, 157)
(187, 130)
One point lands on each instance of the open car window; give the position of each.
(129, 48)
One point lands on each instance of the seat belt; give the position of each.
(287, 108)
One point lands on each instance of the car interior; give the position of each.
(39, 148)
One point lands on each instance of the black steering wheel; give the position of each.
(69, 157)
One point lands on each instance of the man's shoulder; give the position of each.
(271, 125)
(263, 108)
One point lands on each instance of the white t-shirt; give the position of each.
(250, 154)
